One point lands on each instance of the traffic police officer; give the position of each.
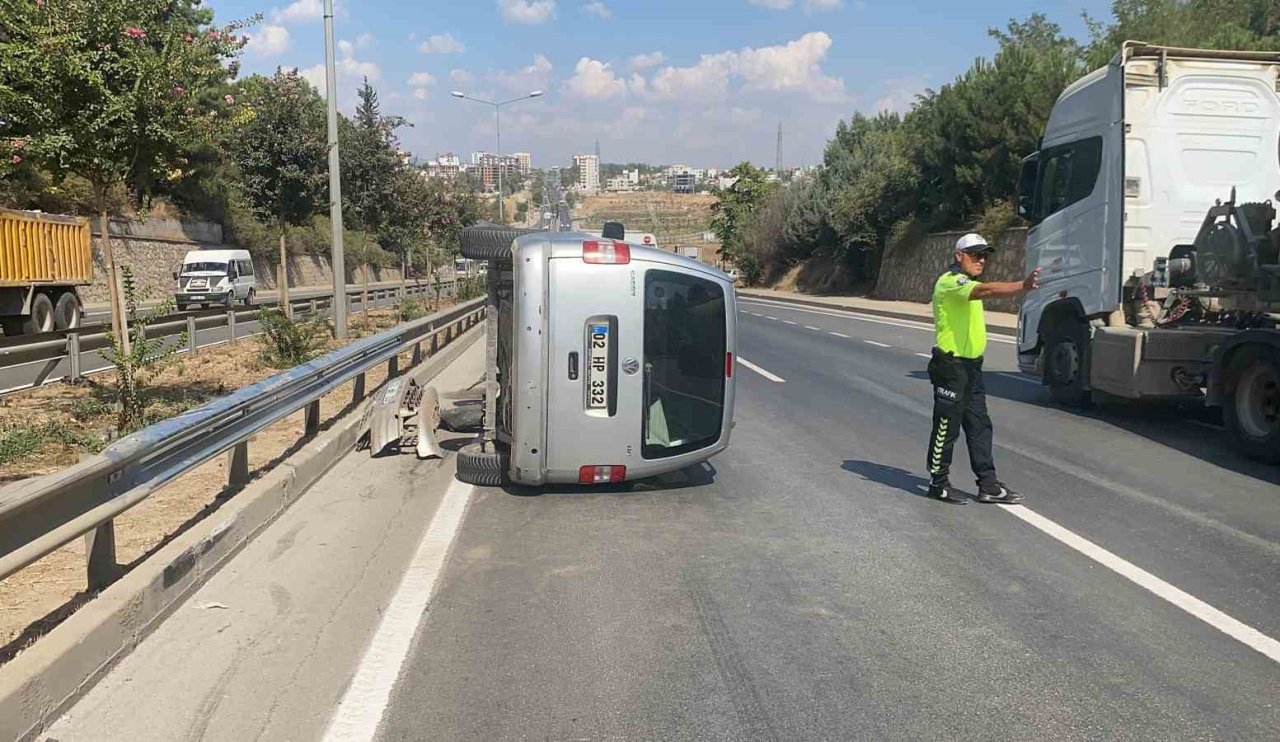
(955, 370)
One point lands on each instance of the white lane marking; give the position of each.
(789, 322)
(839, 335)
(811, 327)
(771, 377)
(877, 344)
(991, 337)
(361, 709)
(775, 319)
(925, 355)
(1241, 632)
(1019, 377)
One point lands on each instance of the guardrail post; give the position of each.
(357, 394)
(238, 465)
(435, 339)
(191, 334)
(231, 326)
(417, 353)
(313, 417)
(73, 355)
(100, 548)
(393, 367)
(315, 307)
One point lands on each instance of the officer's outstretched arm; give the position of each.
(998, 289)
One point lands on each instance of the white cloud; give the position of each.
(350, 71)
(810, 6)
(268, 41)
(641, 61)
(299, 11)
(443, 43)
(526, 11)
(364, 40)
(420, 82)
(792, 67)
(594, 80)
(413, 35)
(901, 94)
(461, 77)
(536, 76)
(346, 48)
(597, 8)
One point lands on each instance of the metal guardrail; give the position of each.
(40, 515)
(53, 348)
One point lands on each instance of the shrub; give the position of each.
(285, 343)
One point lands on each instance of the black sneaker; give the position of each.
(998, 493)
(943, 491)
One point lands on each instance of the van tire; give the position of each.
(490, 242)
(480, 467)
(1066, 362)
(1250, 409)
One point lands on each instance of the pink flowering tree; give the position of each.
(112, 90)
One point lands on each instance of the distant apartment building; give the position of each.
(486, 165)
(629, 180)
(588, 167)
(524, 162)
(445, 165)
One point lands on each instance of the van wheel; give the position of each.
(42, 316)
(66, 315)
(489, 242)
(1066, 365)
(1252, 411)
(484, 468)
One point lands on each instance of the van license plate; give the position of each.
(598, 367)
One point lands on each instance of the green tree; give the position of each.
(137, 357)
(733, 212)
(280, 153)
(112, 90)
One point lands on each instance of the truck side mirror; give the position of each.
(175, 275)
(1027, 187)
(613, 231)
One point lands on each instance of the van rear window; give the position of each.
(684, 347)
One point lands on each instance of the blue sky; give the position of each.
(703, 82)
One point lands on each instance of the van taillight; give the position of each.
(728, 365)
(601, 474)
(606, 252)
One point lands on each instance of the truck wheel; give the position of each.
(485, 468)
(66, 315)
(489, 243)
(1252, 412)
(1066, 365)
(41, 319)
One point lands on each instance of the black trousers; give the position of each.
(959, 402)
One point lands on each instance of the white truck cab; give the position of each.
(1151, 285)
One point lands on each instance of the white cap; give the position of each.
(972, 242)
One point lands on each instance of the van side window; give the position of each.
(1068, 173)
(246, 267)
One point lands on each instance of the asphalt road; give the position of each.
(799, 587)
(36, 373)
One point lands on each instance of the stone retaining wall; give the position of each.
(155, 250)
(910, 268)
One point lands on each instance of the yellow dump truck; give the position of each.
(43, 258)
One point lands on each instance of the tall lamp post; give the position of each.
(497, 118)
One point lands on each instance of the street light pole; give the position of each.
(497, 119)
(337, 261)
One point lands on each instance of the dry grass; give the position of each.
(38, 597)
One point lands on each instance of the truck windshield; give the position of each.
(204, 268)
(684, 347)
